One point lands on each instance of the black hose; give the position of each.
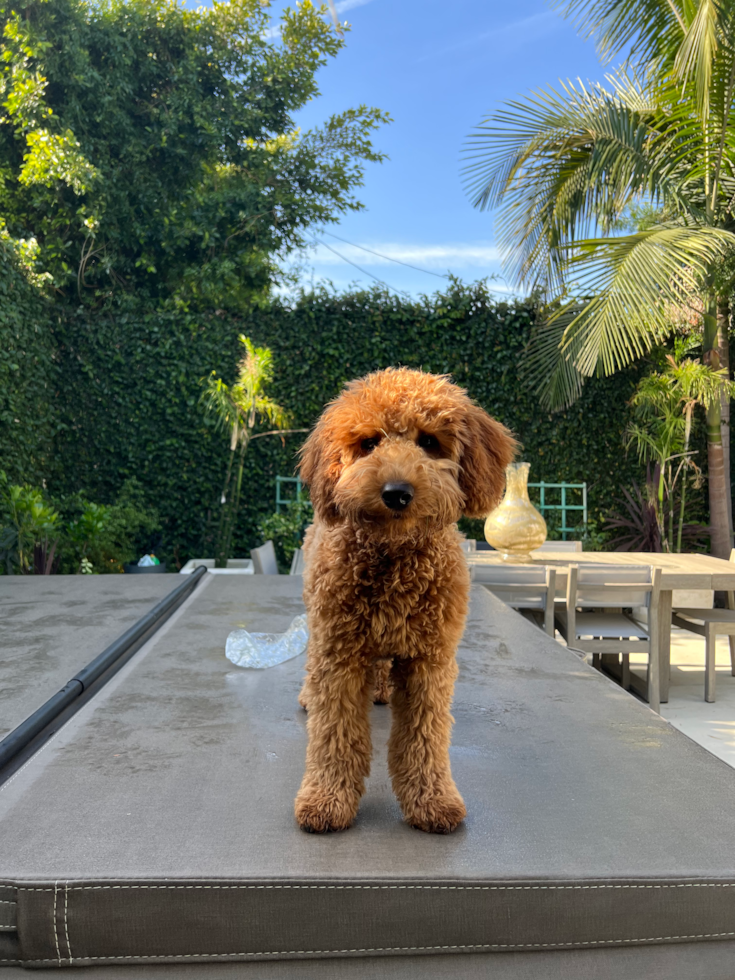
(34, 724)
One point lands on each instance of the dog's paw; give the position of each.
(319, 811)
(440, 815)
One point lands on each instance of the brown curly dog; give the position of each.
(391, 464)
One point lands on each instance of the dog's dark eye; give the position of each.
(429, 443)
(367, 445)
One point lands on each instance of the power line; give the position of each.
(390, 258)
(363, 271)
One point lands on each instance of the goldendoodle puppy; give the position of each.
(391, 464)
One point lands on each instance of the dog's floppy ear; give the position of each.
(319, 469)
(488, 448)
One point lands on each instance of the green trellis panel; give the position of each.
(282, 501)
(544, 506)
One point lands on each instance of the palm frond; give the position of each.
(217, 400)
(696, 54)
(564, 165)
(548, 368)
(641, 30)
(634, 280)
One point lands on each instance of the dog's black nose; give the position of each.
(397, 496)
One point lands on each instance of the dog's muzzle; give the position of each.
(397, 496)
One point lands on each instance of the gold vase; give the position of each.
(515, 528)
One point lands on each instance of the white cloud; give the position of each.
(349, 4)
(439, 258)
(342, 7)
(520, 30)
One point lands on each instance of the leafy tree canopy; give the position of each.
(151, 149)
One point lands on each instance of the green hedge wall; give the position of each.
(129, 387)
(28, 419)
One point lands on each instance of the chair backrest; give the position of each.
(468, 545)
(596, 585)
(264, 559)
(297, 563)
(560, 546)
(521, 586)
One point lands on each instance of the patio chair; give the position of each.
(598, 619)
(560, 546)
(264, 559)
(710, 623)
(527, 588)
(297, 563)
(468, 545)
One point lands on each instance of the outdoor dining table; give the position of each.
(678, 572)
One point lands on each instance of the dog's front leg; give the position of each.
(418, 749)
(339, 750)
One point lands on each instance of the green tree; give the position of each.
(238, 409)
(151, 149)
(32, 528)
(568, 166)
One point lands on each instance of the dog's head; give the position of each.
(401, 448)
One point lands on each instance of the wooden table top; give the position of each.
(677, 571)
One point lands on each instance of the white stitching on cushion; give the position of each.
(66, 921)
(381, 949)
(394, 949)
(485, 888)
(56, 937)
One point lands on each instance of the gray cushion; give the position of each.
(158, 825)
(53, 625)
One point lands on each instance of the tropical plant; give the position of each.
(150, 148)
(637, 527)
(665, 402)
(238, 409)
(286, 529)
(71, 534)
(113, 534)
(32, 531)
(655, 145)
(87, 531)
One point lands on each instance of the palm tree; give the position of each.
(664, 402)
(569, 167)
(239, 408)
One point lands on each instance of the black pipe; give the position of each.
(21, 736)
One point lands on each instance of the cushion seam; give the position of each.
(392, 949)
(705, 884)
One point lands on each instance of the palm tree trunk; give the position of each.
(720, 506)
(220, 549)
(687, 435)
(235, 505)
(723, 349)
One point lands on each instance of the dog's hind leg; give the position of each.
(418, 749)
(338, 755)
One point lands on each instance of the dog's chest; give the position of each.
(398, 601)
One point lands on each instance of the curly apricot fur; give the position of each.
(387, 591)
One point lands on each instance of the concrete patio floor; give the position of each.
(711, 725)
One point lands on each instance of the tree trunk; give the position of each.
(723, 349)
(220, 551)
(720, 506)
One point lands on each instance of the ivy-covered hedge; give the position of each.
(27, 414)
(129, 388)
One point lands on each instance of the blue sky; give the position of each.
(438, 68)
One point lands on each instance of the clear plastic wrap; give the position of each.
(260, 650)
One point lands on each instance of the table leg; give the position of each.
(664, 643)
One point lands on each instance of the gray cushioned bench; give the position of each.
(157, 826)
(53, 625)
